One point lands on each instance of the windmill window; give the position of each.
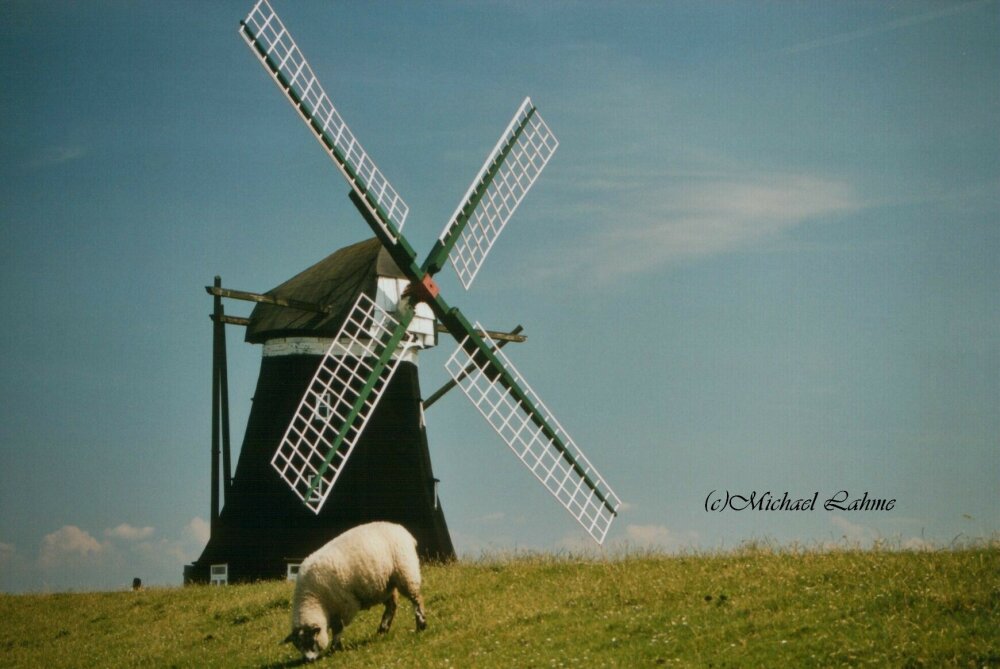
(293, 571)
(219, 574)
(324, 408)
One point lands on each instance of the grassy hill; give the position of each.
(750, 608)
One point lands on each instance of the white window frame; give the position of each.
(218, 574)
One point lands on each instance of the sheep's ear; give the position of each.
(288, 639)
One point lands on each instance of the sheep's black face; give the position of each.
(310, 641)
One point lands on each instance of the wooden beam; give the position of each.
(501, 342)
(289, 303)
(219, 291)
(494, 334)
(232, 320)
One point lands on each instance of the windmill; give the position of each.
(357, 370)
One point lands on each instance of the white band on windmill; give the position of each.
(267, 36)
(505, 178)
(551, 454)
(340, 399)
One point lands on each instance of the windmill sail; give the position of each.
(512, 408)
(511, 168)
(341, 397)
(264, 32)
(361, 361)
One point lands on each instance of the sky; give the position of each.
(764, 259)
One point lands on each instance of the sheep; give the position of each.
(358, 569)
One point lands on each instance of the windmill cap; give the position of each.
(333, 283)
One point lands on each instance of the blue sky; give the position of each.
(764, 258)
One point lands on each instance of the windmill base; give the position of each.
(264, 527)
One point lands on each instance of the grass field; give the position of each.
(754, 607)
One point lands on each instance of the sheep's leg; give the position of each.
(413, 594)
(338, 629)
(418, 608)
(390, 611)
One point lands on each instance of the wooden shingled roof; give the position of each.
(333, 282)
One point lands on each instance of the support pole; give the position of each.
(217, 326)
(227, 463)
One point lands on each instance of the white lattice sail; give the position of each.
(522, 151)
(328, 422)
(557, 462)
(267, 36)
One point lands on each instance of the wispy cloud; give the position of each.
(6, 554)
(127, 532)
(870, 31)
(197, 532)
(650, 223)
(864, 536)
(854, 533)
(69, 545)
(644, 537)
(71, 557)
(659, 537)
(56, 155)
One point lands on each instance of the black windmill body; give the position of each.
(335, 436)
(263, 526)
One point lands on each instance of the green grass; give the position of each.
(754, 607)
